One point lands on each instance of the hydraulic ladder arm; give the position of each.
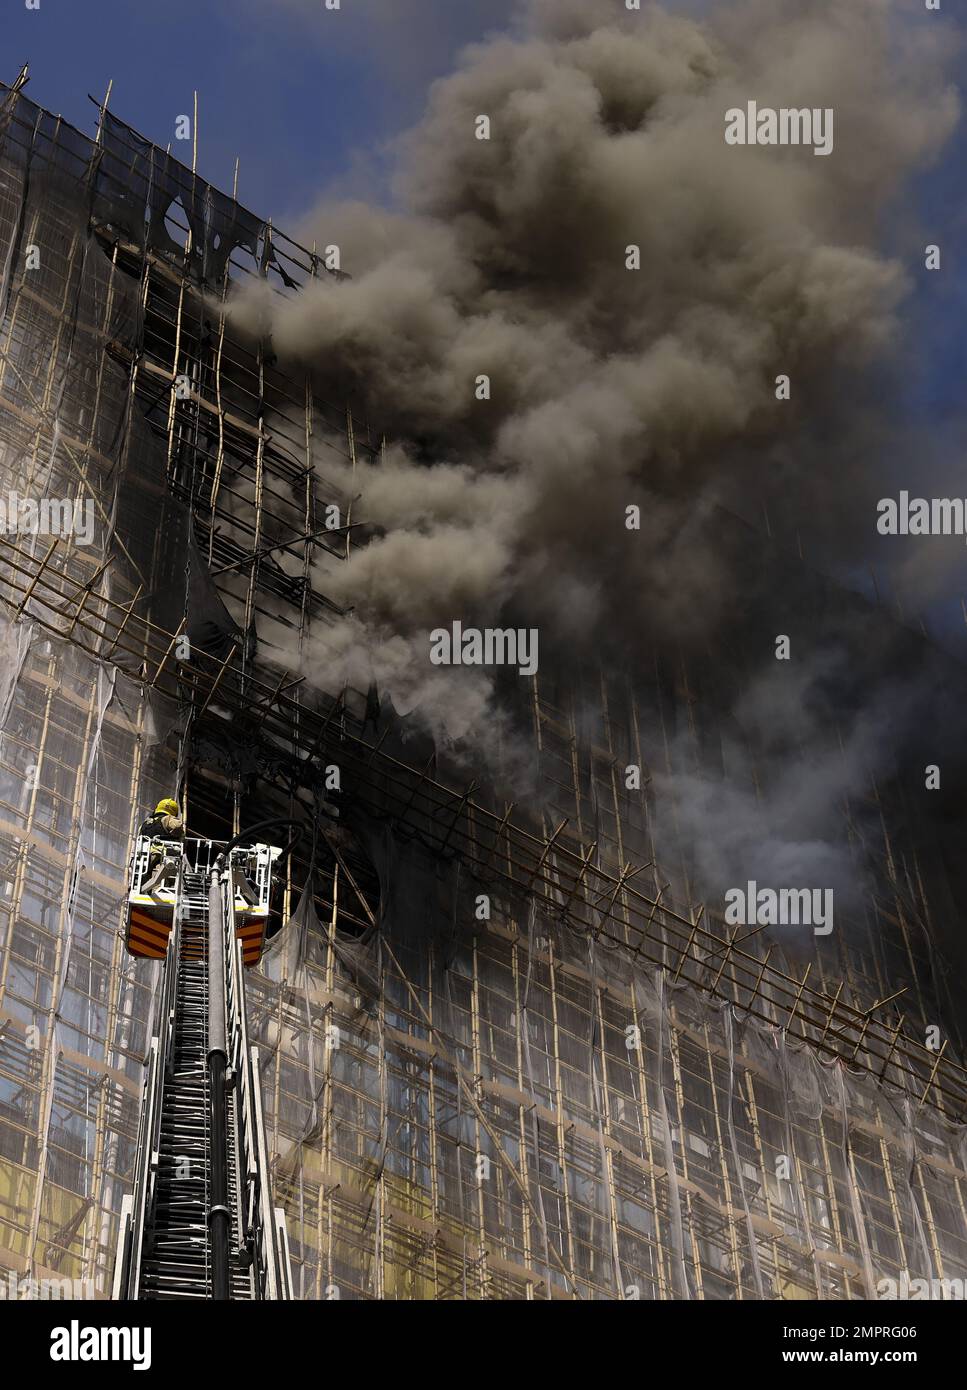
(199, 1222)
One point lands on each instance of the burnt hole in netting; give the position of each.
(176, 223)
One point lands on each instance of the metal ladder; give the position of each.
(198, 1224)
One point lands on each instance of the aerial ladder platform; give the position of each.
(199, 1223)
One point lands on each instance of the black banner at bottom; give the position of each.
(69, 1340)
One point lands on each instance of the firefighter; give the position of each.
(165, 823)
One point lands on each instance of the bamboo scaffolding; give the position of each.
(832, 1025)
(394, 1228)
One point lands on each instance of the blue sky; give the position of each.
(293, 90)
(310, 99)
(307, 98)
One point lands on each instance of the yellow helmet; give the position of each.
(167, 807)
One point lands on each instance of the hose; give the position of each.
(294, 837)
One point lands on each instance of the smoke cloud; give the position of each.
(609, 387)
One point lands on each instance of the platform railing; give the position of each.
(137, 1206)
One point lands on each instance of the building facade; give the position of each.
(506, 1052)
